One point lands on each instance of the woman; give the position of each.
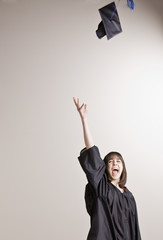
(111, 206)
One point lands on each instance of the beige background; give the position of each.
(49, 52)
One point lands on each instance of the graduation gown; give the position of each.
(113, 214)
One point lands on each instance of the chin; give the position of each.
(115, 178)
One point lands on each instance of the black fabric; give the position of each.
(113, 214)
(110, 25)
(101, 30)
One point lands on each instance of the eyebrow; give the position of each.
(117, 158)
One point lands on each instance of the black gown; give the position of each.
(113, 214)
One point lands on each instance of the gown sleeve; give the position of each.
(137, 229)
(92, 164)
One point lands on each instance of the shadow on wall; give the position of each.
(155, 6)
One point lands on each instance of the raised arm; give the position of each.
(84, 118)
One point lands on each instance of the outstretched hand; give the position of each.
(81, 109)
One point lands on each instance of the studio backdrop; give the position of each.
(50, 53)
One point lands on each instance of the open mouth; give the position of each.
(115, 172)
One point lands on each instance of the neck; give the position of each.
(115, 182)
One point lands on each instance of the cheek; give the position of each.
(121, 167)
(109, 169)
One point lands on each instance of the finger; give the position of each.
(77, 105)
(81, 106)
(74, 101)
(85, 106)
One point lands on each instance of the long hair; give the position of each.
(123, 177)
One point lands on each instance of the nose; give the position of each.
(114, 163)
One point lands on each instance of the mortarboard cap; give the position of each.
(110, 24)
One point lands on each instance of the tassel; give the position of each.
(114, 10)
(130, 4)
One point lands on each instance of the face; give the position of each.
(115, 168)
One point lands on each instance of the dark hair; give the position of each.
(123, 177)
